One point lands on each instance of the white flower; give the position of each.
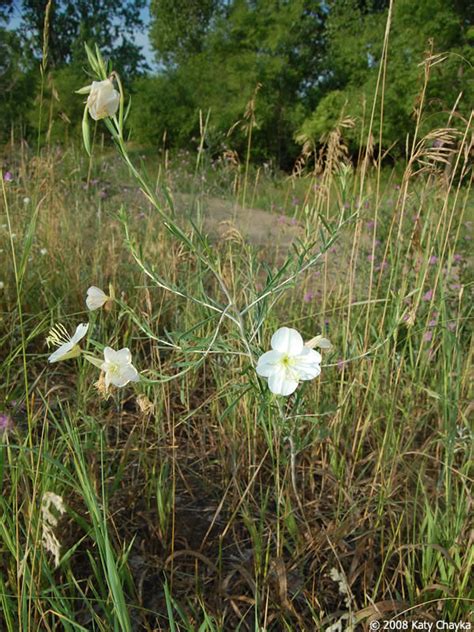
(96, 298)
(43, 252)
(26, 201)
(2, 285)
(103, 99)
(118, 367)
(288, 363)
(67, 346)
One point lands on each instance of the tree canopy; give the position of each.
(285, 69)
(111, 24)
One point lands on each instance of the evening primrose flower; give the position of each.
(103, 99)
(96, 298)
(118, 367)
(67, 346)
(289, 362)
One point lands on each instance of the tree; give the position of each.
(223, 50)
(111, 24)
(355, 40)
(179, 27)
(17, 83)
(6, 8)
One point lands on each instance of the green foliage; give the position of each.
(62, 109)
(418, 30)
(226, 51)
(109, 23)
(167, 105)
(179, 27)
(6, 8)
(17, 84)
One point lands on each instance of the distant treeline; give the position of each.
(288, 72)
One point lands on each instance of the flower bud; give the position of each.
(103, 99)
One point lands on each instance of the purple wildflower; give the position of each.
(433, 260)
(8, 176)
(6, 423)
(427, 336)
(427, 296)
(308, 297)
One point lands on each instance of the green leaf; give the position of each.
(86, 133)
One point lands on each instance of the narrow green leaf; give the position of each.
(86, 133)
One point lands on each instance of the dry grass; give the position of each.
(190, 497)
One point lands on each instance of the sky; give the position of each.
(141, 35)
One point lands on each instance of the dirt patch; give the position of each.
(226, 219)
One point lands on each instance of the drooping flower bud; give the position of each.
(103, 99)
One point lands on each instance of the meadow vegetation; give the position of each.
(196, 499)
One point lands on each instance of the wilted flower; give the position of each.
(318, 341)
(103, 99)
(96, 298)
(288, 363)
(51, 501)
(118, 367)
(67, 346)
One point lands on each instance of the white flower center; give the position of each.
(113, 368)
(287, 361)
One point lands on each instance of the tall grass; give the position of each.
(196, 501)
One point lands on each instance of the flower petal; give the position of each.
(307, 364)
(268, 363)
(123, 356)
(287, 341)
(80, 332)
(282, 383)
(95, 298)
(61, 352)
(110, 355)
(126, 374)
